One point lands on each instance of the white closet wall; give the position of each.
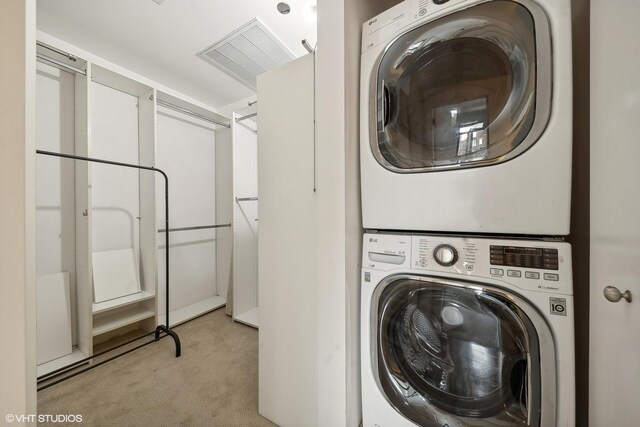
(55, 187)
(115, 190)
(224, 212)
(225, 203)
(245, 221)
(55, 201)
(186, 151)
(288, 270)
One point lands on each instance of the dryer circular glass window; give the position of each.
(448, 351)
(470, 89)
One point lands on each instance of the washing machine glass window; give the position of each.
(464, 90)
(461, 353)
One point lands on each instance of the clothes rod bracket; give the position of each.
(248, 116)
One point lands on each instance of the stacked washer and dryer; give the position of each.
(467, 295)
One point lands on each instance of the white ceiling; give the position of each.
(161, 41)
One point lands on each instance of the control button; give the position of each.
(423, 263)
(531, 274)
(469, 267)
(551, 276)
(514, 273)
(497, 272)
(445, 255)
(440, 1)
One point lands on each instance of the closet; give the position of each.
(186, 151)
(100, 234)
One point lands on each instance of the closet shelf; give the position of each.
(119, 319)
(61, 362)
(192, 311)
(250, 317)
(101, 307)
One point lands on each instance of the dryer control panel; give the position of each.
(536, 265)
(383, 27)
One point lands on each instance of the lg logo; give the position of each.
(373, 21)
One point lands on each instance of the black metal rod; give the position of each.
(95, 365)
(172, 334)
(166, 205)
(86, 359)
(197, 227)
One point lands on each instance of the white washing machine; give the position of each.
(464, 332)
(466, 117)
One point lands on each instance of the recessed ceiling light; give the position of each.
(283, 8)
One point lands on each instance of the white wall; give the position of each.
(17, 207)
(185, 150)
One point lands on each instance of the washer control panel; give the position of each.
(445, 255)
(539, 265)
(524, 257)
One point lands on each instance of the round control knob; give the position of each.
(445, 255)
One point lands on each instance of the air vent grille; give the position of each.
(247, 52)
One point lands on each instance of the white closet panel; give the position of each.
(55, 185)
(288, 341)
(115, 190)
(115, 274)
(53, 323)
(245, 221)
(224, 211)
(185, 150)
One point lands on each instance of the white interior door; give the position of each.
(615, 213)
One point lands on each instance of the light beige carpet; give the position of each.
(214, 383)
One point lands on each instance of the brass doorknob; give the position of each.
(613, 294)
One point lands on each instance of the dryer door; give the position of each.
(470, 89)
(460, 354)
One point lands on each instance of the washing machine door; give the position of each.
(460, 354)
(470, 89)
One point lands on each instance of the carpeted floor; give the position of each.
(214, 383)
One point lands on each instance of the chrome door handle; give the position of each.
(613, 294)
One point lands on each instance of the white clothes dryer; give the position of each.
(466, 117)
(466, 332)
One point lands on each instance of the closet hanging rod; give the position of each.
(58, 51)
(245, 199)
(192, 113)
(51, 61)
(248, 116)
(197, 227)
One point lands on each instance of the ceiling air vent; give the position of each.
(247, 52)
